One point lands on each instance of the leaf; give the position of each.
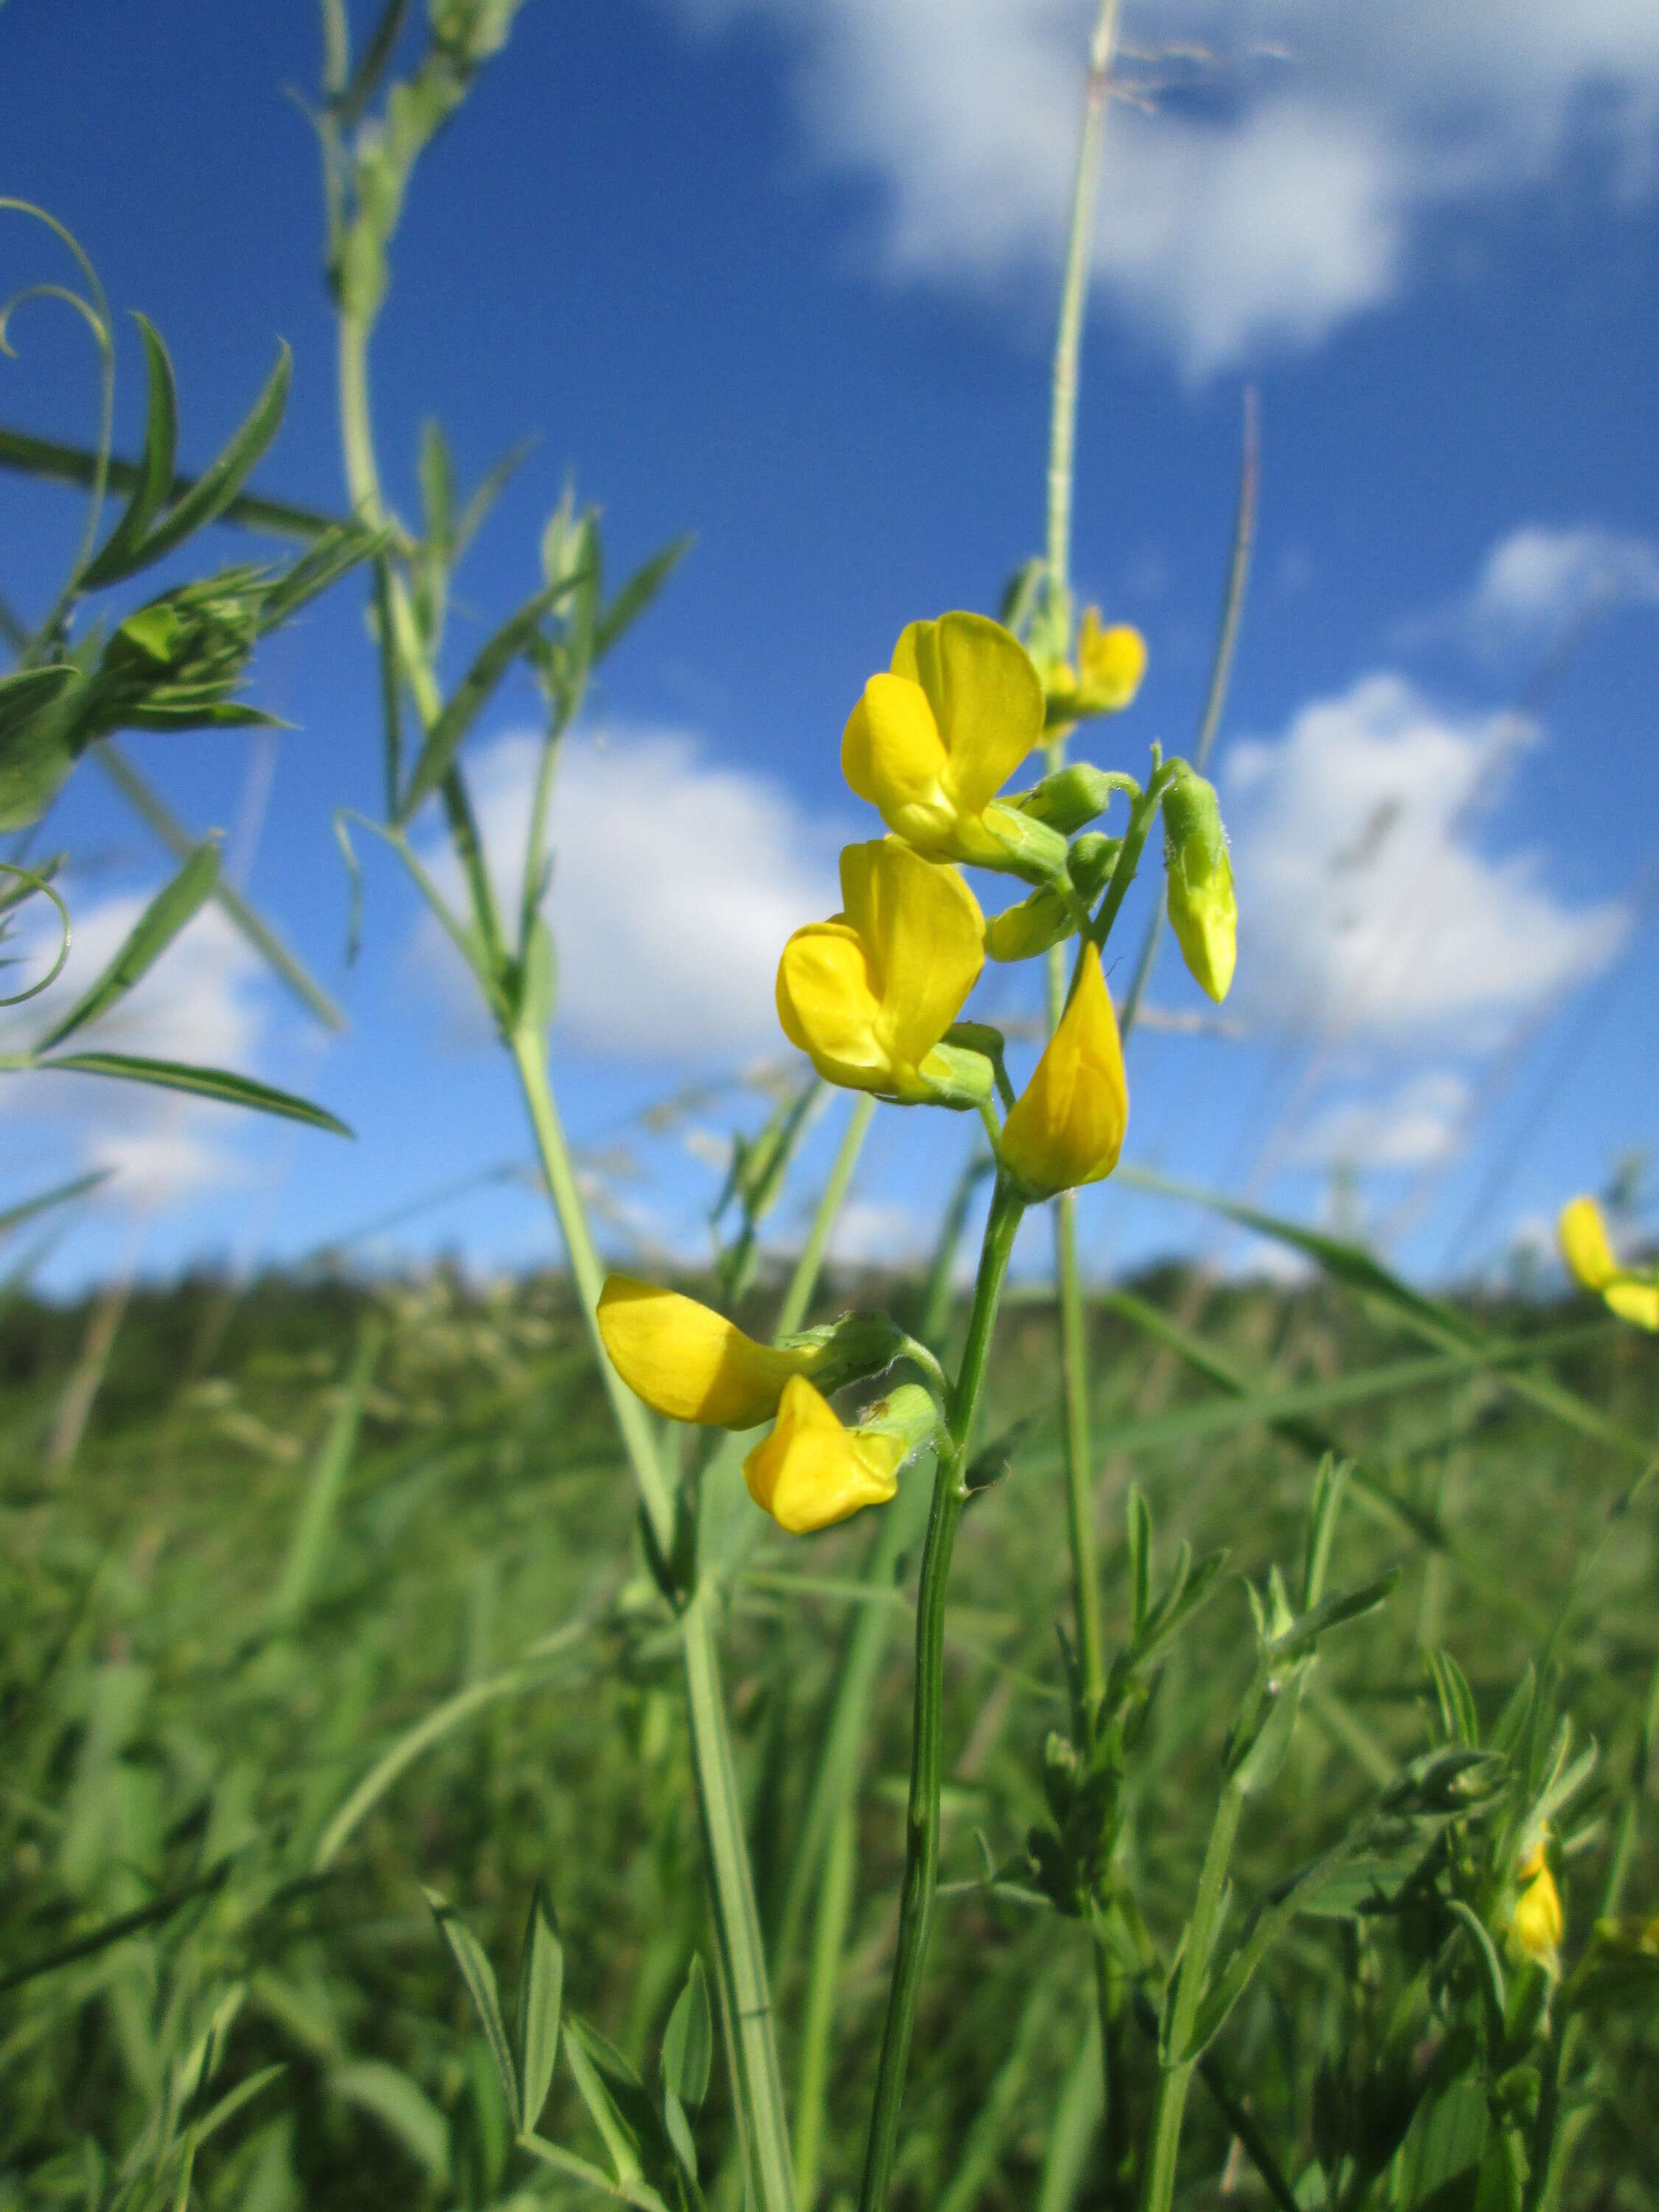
(688, 2042)
(621, 2142)
(1458, 1715)
(1342, 1606)
(202, 1082)
(42, 712)
(217, 485)
(154, 479)
(13, 1217)
(1485, 1957)
(636, 595)
(541, 1995)
(1139, 1516)
(479, 1976)
(400, 2106)
(176, 904)
(471, 695)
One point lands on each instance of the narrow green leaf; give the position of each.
(485, 496)
(541, 1995)
(467, 702)
(1139, 1515)
(202, 1082)
(1342, 1606)
(1458, 1716)
(621, 2143)
(636, 595)
(1485, 1957)
(14, 1217)
(154, 480)
(688, 2042)
(479, 1976)
(167, 913)
(400, 2106)
(217, 485)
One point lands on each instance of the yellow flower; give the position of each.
(690, 1363)
(932, 743)
(1110, 664)
(1203, 910)
(868, 994)
(1536, 1925)
(812, 1471)
(1584, 1240)
(1067, 1126)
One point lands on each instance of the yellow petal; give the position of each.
(688, 1362)
(1537, 1921)
(892, 755)
(923, 936)
(828, 1007)
(1204, 915)
(1631, 1299)
(1584, 1240)
(812, 1471)
(1110, 663)
(1067, 1126)
(986, 696)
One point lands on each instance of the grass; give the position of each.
(305, 1518)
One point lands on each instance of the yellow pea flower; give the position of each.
(1067, 1126)
(1588, 1254)
(812, 1470)
(1110, 663)
(868, 994)
(688, 1362)
(934, 740)
(1536, 1925)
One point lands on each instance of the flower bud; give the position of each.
(1067, 1127)
(1110, 663)
(811, 1470)
(688, 1362)
(1589, 1255)
(1203, 911)
(1536, 1924)
(1021, 932)
(1068, 798)
(1091, 862)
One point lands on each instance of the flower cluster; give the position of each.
(874, 996)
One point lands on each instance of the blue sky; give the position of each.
(785, 276)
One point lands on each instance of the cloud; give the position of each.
(204, 1001)
(1367, 910)
(1417, 1125)
(1540, 579)
(1282, 182)
(676, 882)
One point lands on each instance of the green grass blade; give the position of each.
(201, 1082)
(173, 907)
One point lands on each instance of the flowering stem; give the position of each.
(921, 1815)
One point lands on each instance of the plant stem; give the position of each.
(1175, 2078)
(829, 1940)
(921, 1815)
(757, 2081)
(805, 1279)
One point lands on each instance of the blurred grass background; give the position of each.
(303, 1516)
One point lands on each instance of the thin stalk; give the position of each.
(805, 1279)
(1176, 2078)
(824, 1976)
(921, 1815)
(758, 2083)
(1221, 668)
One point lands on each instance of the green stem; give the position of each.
(1079, 1467)
(1176, 2078)
(829, 1941)
(737, 1922)
(921, 1815)
(805, 1280)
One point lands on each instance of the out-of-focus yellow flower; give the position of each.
(812, 1470)
(933, 741)
(690, 1363)
(1536, 1925)
(1067, 1126)
(1203, 908)
(868, 994)
(1110, 663)
(1584, 1240)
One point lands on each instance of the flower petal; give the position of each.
(925, 937)
(891, 752)
(828, 1003)
(688, 1361)
(812, 1471)
(986, 694)
(1585, 1241)
(1067, 1127)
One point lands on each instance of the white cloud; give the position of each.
(204, 1001)
(676, 882)
(1367, 909)
(1275, 191)
(1414, 1127)
(1541, 578)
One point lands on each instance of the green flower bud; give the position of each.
(1203, 911)
(1021, 932)
(1068, 798)
(1091, 862)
